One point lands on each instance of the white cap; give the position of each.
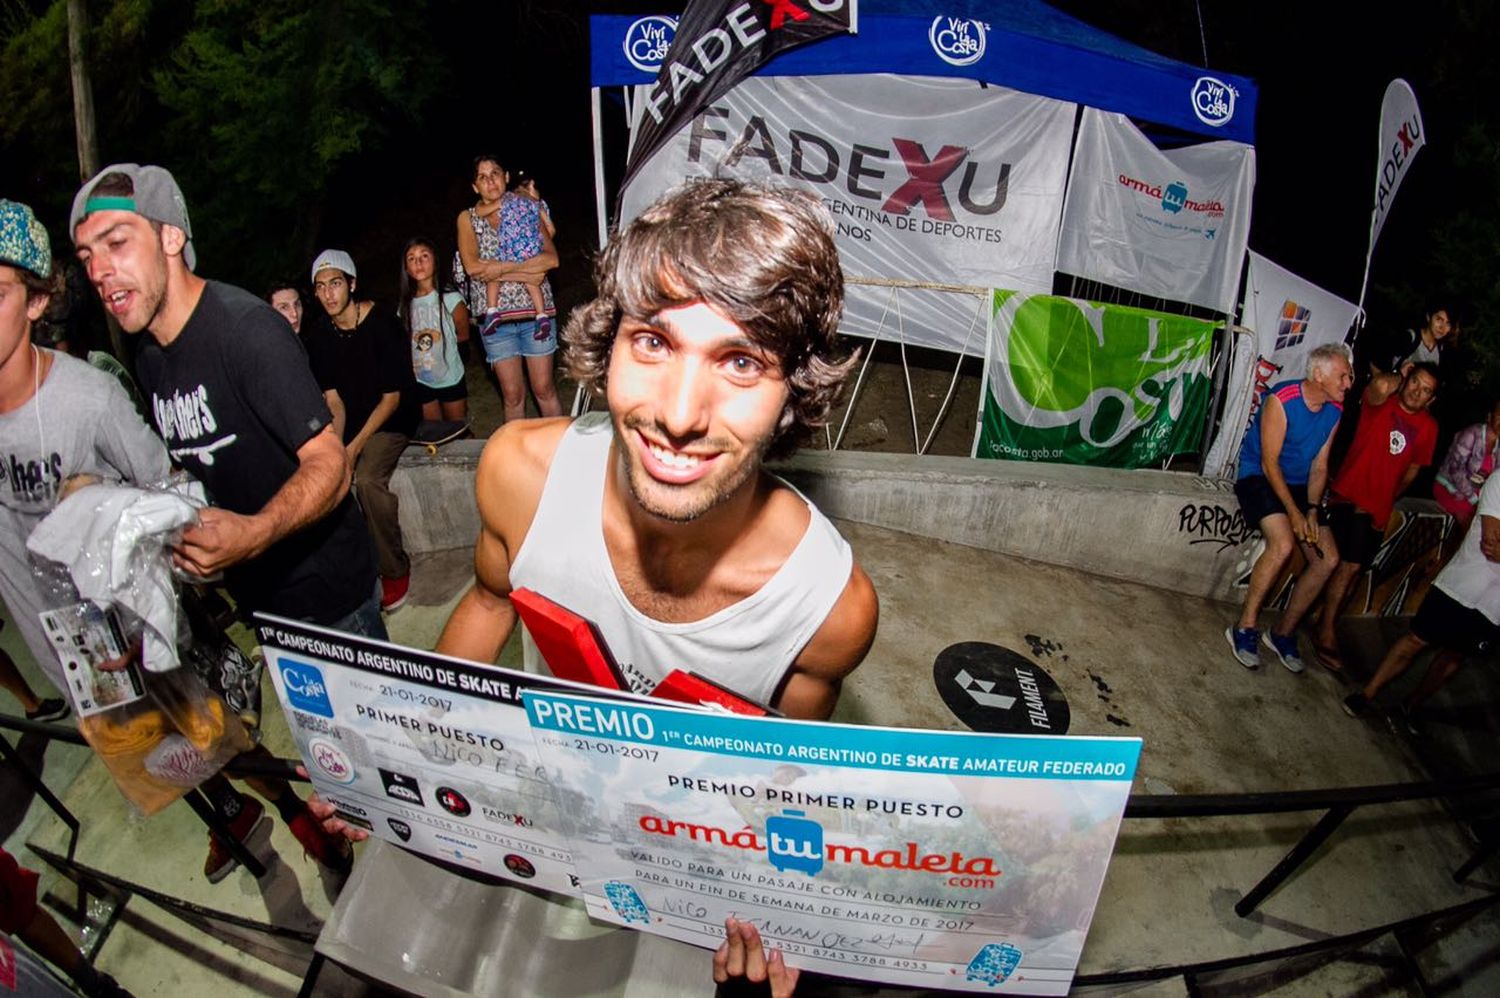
(333, 259)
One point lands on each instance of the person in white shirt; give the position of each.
(1460, 614)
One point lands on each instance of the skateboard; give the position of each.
(432, 434)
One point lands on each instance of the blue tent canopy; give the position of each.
(1021, 44)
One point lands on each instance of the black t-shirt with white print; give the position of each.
(362, 364)
(234, 399)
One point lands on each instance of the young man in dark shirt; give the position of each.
(362, 360)
(229, 389)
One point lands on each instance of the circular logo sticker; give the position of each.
(991, 688)
(647, 41)
(958, 41)
(331, 760)
(520, 866)
(453, 802)
(1213, 101)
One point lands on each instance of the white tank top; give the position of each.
(747, 646)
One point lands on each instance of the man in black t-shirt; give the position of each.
(362, 359)
(229, 389)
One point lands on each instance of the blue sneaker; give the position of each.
(1242, 641)
(1285, 647)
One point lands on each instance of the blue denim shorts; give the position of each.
(518, 339)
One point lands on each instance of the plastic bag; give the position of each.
(114, 541)
(159, 734)
(159, 731)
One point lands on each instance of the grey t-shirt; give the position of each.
(79, 422)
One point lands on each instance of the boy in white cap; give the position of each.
(361, 357)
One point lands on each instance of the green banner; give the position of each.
(1080, 382)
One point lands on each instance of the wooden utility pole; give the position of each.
(83, 91)
(83, 126)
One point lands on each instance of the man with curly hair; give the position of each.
(713, 341)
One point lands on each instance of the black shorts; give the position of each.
(1355, 533)
(1444, 621)
(1257, 501)
(456, 392)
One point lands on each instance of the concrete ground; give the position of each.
(1127, 658)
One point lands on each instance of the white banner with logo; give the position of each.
(930, 181)
(1288, 317)
(1172, 223)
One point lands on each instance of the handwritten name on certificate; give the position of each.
(923, 858)
(430, 753)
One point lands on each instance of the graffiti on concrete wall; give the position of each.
(1210, 523)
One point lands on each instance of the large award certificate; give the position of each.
(922, 858)
(431, 753)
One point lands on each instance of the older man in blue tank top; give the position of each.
(1283, 472)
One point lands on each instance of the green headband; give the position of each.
(109, 204)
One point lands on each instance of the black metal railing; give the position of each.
(1336, 803)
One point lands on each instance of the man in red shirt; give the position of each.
(1393, 441)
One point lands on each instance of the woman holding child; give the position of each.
(506, 249)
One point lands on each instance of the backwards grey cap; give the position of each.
(156, 197)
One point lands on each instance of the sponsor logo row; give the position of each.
(334, 763)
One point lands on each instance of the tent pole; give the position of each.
(854, 395)
(988, 304)
(1225, 360)
(1225, 336)
(911, 401)
(860, 380)
(601, 209)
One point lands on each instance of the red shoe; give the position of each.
(221, 862)
(333, 851)
(393, 592)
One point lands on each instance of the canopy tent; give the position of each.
(1024, 46)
